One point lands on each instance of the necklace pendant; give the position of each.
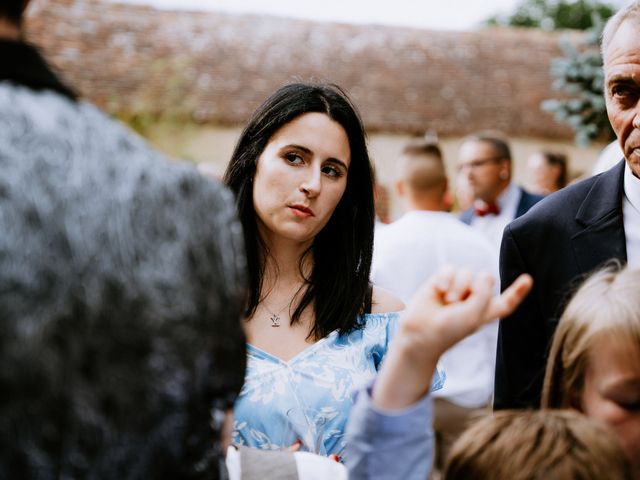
(275, 320)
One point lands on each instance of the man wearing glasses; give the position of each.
(485, 162)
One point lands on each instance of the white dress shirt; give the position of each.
(406, 254)
(631, 216)
(492, 226)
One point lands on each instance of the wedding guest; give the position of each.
(316, 329)
(575, 231)
(121, 285)
(549, 172)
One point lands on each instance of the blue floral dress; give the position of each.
(308, 398)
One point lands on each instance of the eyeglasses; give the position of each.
(481, 162)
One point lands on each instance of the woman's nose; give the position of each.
(312, 184)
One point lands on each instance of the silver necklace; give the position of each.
(275, 317)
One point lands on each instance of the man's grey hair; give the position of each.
(631, 11)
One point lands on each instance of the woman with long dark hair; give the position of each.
(316, 328)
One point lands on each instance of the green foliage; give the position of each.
(175, 105)
(555, 15)
(579, 75)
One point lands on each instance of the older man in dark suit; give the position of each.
(576, 230)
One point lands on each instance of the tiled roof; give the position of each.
(216, 68)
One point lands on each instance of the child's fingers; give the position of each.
(460, 286)
(512, 297)
(443, 279)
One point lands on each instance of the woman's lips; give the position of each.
(301, 211)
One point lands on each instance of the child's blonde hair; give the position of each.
(537, 444)
(606, 307)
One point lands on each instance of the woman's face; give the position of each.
(544, 176)
(612, 394)
(300, 177)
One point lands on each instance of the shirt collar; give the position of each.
(508, 197)
(631, 187)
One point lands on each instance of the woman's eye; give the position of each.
(331, 171)
(293, 158)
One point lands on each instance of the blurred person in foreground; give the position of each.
(121, 286)
(548, 171)
(574, 231)
(485, 160)
(594, 362)
(408, 252)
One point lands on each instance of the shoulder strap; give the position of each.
(267, 464)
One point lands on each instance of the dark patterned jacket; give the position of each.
(121, 287)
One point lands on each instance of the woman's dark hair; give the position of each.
(559, 159)
(342, 250)
(12, 10)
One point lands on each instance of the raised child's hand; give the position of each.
(452, 305)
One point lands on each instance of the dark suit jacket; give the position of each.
(560, 240)
(527, 200)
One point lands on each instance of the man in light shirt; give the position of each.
(576, 230)
(410, 250)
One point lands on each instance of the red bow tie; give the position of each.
(487, 209)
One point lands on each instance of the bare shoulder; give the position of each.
(384, 301)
